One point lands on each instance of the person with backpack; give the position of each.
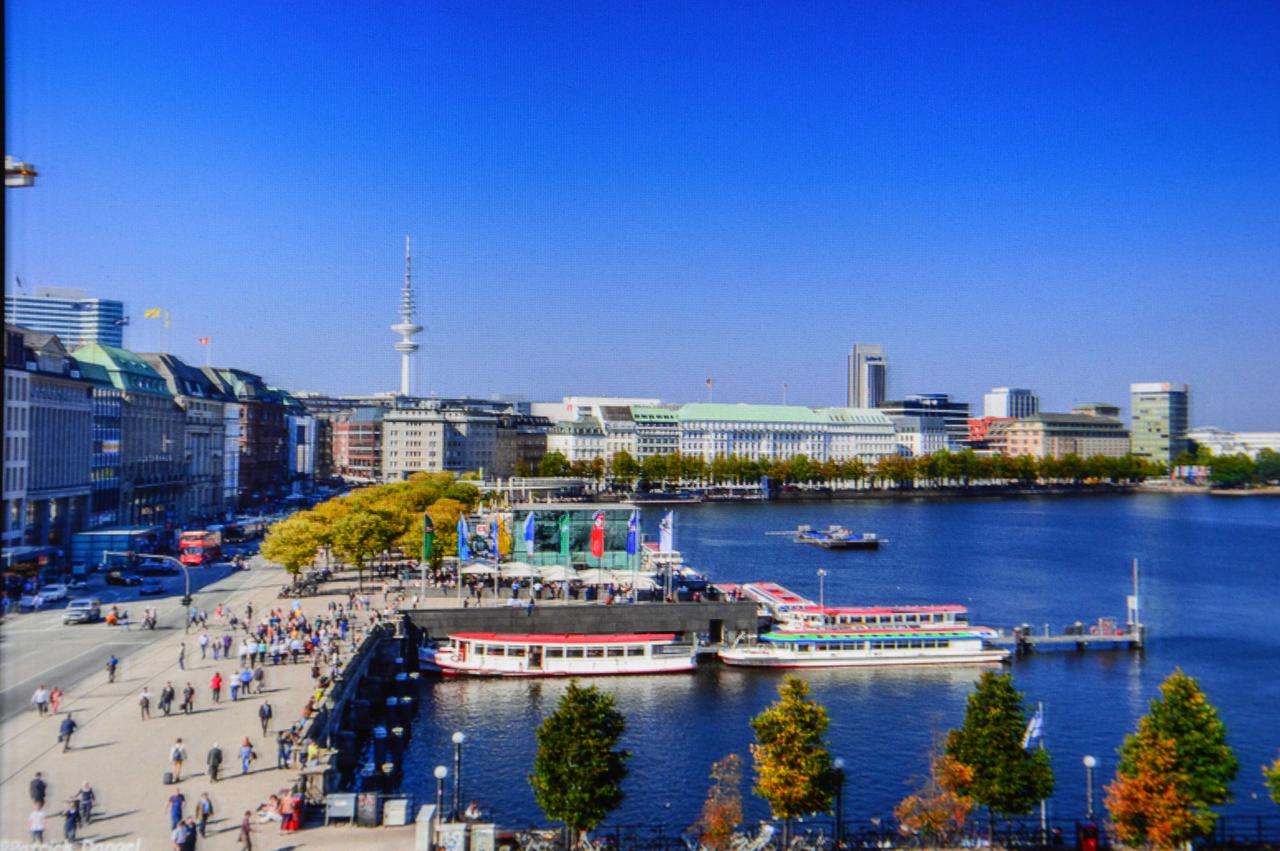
(112, 664)
(264, 715)
(177, 756)
(144, 703)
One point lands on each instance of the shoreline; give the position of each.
(958, 493)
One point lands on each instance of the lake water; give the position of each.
(1210, 595)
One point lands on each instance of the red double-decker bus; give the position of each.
(199, 547)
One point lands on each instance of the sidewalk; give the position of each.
(124, 758)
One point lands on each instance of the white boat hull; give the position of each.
(444, 662)
(756, 657)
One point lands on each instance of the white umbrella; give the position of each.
(595, 576)
(518, 570)
(476, 569)
(556, 573)
(642, 580)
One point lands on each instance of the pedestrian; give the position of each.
(55, 699)
(217, 649)
(177, 801)
(246, 681)
(180, 835)
(36, 821)
(41, 701)
(264, 715)
(246, 831)
(144, 703)
(177, 756)
(204, 643)
(70, 820)
(213, 762)
(215, 686)
(166, 698)
(182, 656)
(38, 788)
(204, 811)
(247, 755)
(226, 647)
(189, 840)
(84, 800)
(284, 744)
(65, 731)
(259, 679)
(235, 689)
(188, 699)
(112, 664)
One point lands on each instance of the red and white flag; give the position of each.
(597, 535)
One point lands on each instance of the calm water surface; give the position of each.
(1211, 596)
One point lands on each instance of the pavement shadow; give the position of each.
(98, 818)
(92, 747)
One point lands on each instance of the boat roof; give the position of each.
(564, 638)
(881, 610)
(774, 594)
(862, 634)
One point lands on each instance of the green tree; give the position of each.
(1231, 471)
(553, 465)
(1202, 765)
(792, 764)
(624, 467)
(361, 535)
(1271, 773)
(293, 542)
(578, 769)
(1006, 777)
(1267, 465)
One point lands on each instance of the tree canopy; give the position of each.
(792, 764)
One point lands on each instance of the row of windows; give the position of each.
(891, 644)
(16, 388)
(17, 419)
(520, 651)
(15, 478)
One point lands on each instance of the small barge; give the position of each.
(836, 538)
(488, 654)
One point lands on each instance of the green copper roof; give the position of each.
(128, 371)
(650, 414)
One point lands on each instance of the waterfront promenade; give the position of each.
(124, 757)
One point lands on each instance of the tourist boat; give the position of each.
(867, 647)
(489, 654)
(837, 538)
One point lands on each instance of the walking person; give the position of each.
(204, 643)
(177, 756)
(284, 744)
(41, 701)
(264, 715)
(188, 699)
(177, 801)
(182, 656)
(213, 762)
(144, 703)
(247, 756)
(38, 789)
(70, 820)
(166, 699)
(55, 699)
(245, 837)
(36, 822)
(215, 686)
(112, 664)
(246, 681)
(84, 800)
(259, 679)
(204, 811)
(65, 731)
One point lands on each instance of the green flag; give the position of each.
(428, 536)
(564, 537)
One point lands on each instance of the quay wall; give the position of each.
(718, 619)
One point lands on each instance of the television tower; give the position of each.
(406, 327)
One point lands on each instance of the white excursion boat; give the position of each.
(489, 654)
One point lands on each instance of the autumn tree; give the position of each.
(1004, 776)
(293, 542)
(792, 764)
(938, 810)
(1174, 769)
(361, 535)
(722, 810)
(578, 769)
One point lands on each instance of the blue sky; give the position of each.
(631, 197)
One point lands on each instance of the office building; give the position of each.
(17, 435)
(582, 439)
(263, 445)
(955, 415)
(919, 437)
(868, 376)
(1003, 402)
(1159, 413)
(70, 314)
(108, 430)
(778, 432)
(1046, 435)
(426, 435)
(657, 430)
(1222, 442)
(357, 445)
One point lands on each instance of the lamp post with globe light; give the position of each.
(838, 765)
(441, 773)
(1090, 763)
(458, 738)
(822, 596)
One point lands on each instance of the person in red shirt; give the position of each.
(215, 686)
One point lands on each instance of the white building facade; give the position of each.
(918, 437)
(17, 423)
(1004, 402)
(434, 439)
(581, 440)
(1222, 442)
(776, 432)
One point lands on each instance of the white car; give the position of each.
(31, 601)
(54, 593)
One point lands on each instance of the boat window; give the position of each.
(670, 650)
(573, 652)
(616, 651)
(515, 651)
(804, 648)
(635, 651)
(479, 651)
(595, 652)
(885, 619)
(555, 652)
(897, 618)
(497, 650)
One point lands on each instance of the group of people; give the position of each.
(47, 700)
(78, 809)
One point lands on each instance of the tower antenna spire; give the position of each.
(407, 328)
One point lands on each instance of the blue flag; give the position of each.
(1035, 728)
(464, 539)
(633, 533)
(528, 533)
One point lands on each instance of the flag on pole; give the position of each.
(597, 535)
(204, 341)
(428, 537)
(151, 313)
(501, 538)
(464, 535)
(529, 522)
(1035, 728)
(564, 536)
(633, 533)
(667, 532)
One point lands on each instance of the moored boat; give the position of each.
(560, 655)
(867, 647)
(837, 538)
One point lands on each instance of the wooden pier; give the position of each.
(1103, 634)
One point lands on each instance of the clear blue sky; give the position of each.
(631, 197)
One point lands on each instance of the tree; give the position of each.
(360, 535)
(1267, 465)
(1196, 775)
(938, 810)
(293, 542)
(1006, 777)
(624, 467)
(722, 811)
(1231, 471)
(792, 764)
(553, 465)
(578, 772)
(1271, 773)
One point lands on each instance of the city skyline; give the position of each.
(1070, 217)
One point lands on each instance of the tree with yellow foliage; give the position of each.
(792, 764)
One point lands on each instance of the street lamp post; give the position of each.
(458, 738)
(1090, 763)
(822, 596)
(839, 766)
(441, 773)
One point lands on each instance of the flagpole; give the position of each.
(1044, 813)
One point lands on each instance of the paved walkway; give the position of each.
(124, 757)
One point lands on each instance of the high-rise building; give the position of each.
(1160, 413)
(71, 314)
(1004, 402)
(955, 415)
(868, 378)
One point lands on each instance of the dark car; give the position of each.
(151, 588)
(119, 577)
(157, 568)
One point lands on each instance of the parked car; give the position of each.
(35, 601)
(151, 588)
(84, 610)
(119, 577)
(54, 593)
(77, 585)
